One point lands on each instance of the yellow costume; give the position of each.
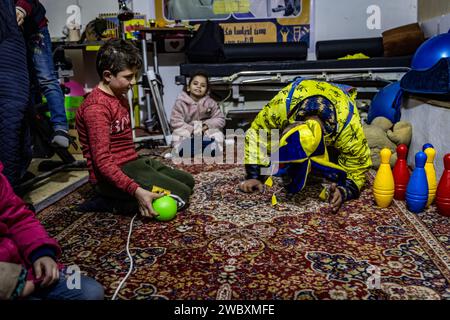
(347, 135)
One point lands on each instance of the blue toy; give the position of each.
(431, 51)
(417, 189)
(387, 103)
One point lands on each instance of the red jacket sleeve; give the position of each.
(98, 124)
(23, 227)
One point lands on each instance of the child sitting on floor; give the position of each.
(104, 128)
(195, 114)
(28, 267)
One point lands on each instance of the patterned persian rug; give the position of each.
(231, 245)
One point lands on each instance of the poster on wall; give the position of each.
(243, 21)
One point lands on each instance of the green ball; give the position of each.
(167, 207)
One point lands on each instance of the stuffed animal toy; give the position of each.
(382, 122)
(401, 133)
(379, 135)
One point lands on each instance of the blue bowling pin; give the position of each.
(417, 189)
(427, 145)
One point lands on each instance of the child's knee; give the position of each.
(183, 191)
(91, 289)
(189, 181)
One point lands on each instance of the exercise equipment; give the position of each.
(386, 103)
(255, 75)
(153, 90)
(334, 49)
(431, 51)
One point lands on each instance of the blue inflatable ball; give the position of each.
(386, 103)
(431, 51)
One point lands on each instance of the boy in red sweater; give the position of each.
(104, 129)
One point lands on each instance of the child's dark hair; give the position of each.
(200, 73)
(117, 55)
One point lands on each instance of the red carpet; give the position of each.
(230, 245)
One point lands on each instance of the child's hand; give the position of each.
(28, 289)
(47, 267)
(205, 128)
(251, 185)
(145, 199)
(335, 198)
(198, 128)
(20, 16)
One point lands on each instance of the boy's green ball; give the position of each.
(167, 207)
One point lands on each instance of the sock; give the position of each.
(59, 139)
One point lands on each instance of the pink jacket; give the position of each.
(186, 111)
(21, 233)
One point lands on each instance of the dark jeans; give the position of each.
(148, 173)
(189, 149)
(40, 49)
(89, 289)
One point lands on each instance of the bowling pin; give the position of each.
(401, 172)
(417, 189)
(443, 189)
(431, 173)
(383, 186)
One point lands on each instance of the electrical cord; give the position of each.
(180, 204)
(131, 261)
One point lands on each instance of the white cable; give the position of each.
(180, 202)
(131, 260)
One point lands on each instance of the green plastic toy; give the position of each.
(167, 207)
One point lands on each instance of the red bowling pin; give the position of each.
(443, 189)
(401, 172)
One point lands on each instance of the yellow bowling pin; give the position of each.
(431, 174)
(383, 186)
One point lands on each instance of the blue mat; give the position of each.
(435, 80)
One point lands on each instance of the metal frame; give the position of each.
(273, 80)
(153, 92)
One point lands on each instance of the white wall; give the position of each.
(90, 9)
(347, 19)
(436, 25)
(430, 125)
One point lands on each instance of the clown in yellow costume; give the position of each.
(310, 116)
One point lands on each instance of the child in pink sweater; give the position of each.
(195, 113)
